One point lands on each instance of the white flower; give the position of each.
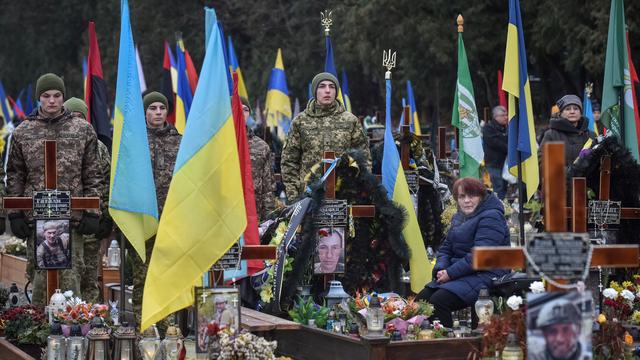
(68, 294)
(537, 287)
(610, 293)
(514, 302)
(628, 295)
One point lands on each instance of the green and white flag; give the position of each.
(465, 118)
(617, 83)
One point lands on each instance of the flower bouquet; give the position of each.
(305, 310)
(78, 312)
(14, 246)
(245, 346)
(25, 324)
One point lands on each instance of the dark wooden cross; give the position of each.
(555, 218)
(50, 183)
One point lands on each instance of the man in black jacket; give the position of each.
(494, 143)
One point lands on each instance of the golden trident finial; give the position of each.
(460, 21)
(588, 88)
(326, 21)
(388, 61)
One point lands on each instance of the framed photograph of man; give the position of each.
(559, 325)
(217, 309)
(52, 249)
(329, 255)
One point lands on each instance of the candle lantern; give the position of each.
(149, 346)
(76, 344)
(113, 254)
(55, 342)
(172, 343)
(375, 316)
(57, 303)
(98, 338)
(483, 307)
(124, 343)
(336, 294)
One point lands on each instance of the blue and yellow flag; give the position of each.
(204, 213)
(278, 104)
(522, 148)
(345, 91)
(588, 111)
(415, 124)
(330, 67)
(397, 188)
(235, 66)
(132, 201)
(184, 97)
(5, 108)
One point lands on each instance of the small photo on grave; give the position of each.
(330, 251)
(217, 309)
(53, 244)
(559, 325)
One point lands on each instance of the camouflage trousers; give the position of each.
(139, 276)
(68, 279)
(89, 285)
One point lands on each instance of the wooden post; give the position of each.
(442, 142)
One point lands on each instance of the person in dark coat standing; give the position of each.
(494, 144)
(569, 127)
(479, 221)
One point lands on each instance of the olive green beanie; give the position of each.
(245, 102)
(77, 105)
(48, 82)
(152, 97)
(322, 77)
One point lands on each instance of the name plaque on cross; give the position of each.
(51, 204)
(413, 180)
(230, 260)
(604, 212)
(332, 212)
(560, 255)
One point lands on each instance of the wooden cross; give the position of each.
(487, 258)
(50, 183)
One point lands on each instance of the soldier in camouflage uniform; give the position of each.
(89, 285)
(264, 183)
(78, 172)
(323, 125)
(164, 142)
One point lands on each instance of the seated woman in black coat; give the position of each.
(479, 221)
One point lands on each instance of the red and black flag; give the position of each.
(96, 91)
(169, 85)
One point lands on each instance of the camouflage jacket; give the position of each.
(264, 183)
(313, 131)
(105, 165)
(77, 161)
(163, 146)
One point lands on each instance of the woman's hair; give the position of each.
(469, 186)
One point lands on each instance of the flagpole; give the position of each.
(521, 196)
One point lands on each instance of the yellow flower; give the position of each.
(617, 287)
(626, 284)
(635, 317)
(602, 319)
(266, 294)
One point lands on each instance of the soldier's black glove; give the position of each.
(89, 224)
(105, 227)
(3, 225)
(19, 226)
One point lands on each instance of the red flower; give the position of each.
(212, 329)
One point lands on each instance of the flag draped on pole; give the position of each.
(415, 123)
(225, 55)
(344, 83)
(634, 81)
(234, 65)
(278, 105)
(588, 111)
(85, 73)
(251, 235)
(522, 146)
(330, 67)
(502, 97)
(192, 73)
(617, 103)
(96, 91)
(132, 199)
(465, 118)
(184, 97)
(143, 82)
(168, 87)
(204, 213)
(397, 188)
(5, 108)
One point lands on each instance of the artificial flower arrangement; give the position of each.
(14, 246)
(245, 346)
(305, 310)
(78, 312)
(25, 324)
(266, 291)
(620, 301)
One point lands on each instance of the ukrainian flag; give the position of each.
(395, 183)
(345, 91)
(330, 67)
(278, 105)
(415, 124)
(5, 107)
(522, 148)
(204, 213)
(235, 66)
(183, 94)
(132, 199)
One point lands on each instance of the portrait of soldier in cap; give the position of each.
(559, 325)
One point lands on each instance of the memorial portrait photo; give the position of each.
(559, 326)
(53, 244)
(329, 255)
(216, 309)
